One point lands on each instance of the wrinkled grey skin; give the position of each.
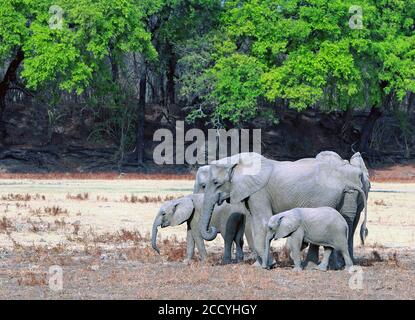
(351, 214)
(280, 186)
(202, 177)
(319, 226)
(188, 209)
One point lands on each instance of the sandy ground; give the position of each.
(98, 232)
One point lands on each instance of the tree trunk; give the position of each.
(171, 70)
(367, 130)
(411, 103)
(9, 77)
(141, 117)
(347, 120)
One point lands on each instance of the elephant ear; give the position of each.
(357, 161)
(249, 173)
(183, 211)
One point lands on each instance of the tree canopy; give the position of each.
(225, 62)
(307, 53)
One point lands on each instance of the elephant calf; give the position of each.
(319, 226)
(230, 225)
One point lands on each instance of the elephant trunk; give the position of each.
(208, 233)
(156, 224)
(265, 257)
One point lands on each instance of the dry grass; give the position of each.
(22, 197)
(146, 199)
(95, 176)
(139, 273)
(52, 211)
(5, 225)
(31, 278)
(79, 196)
(380, 202)
(103, 245)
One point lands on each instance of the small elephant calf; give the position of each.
(320, 226)
(230, 224)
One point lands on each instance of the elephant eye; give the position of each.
(215, 182)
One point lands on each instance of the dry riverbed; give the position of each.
(97, 231)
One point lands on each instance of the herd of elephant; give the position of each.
(312, 202)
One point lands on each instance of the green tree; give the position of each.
(180, 22)
(307, 53)
(68, 41)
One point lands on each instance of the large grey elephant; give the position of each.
(349, 171)
(356, 161)
(269, 187)
(202, 178)
(188, 209)
(320, 226)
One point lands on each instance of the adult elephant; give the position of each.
(349, 169)
(356, 161)
(268, 187)
(202, 178)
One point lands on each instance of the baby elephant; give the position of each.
(230, 225)
(320, 226)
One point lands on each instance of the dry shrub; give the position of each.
(55, 211)
(16, 197)
(146, 199)
(174, 249)
(5, 224)
(142, 254)
(22, 197)
(380, 202)
(102, 198)
(79, 196)
(32, 278)
(171, 249)
(121, 237)
(52, 211)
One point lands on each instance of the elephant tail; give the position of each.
(363, 229)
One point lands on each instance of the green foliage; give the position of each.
(90, 32)
(306, 53)
(237, 87)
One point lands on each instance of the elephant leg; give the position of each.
(348, 260)
(342, 247)
(200, 245)
(248, 232)
(295, 242)
(349, 211)
(325, 262)
(227, 254)
(260, 233)
(190, 246)
(239, 243)
(260, 208)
